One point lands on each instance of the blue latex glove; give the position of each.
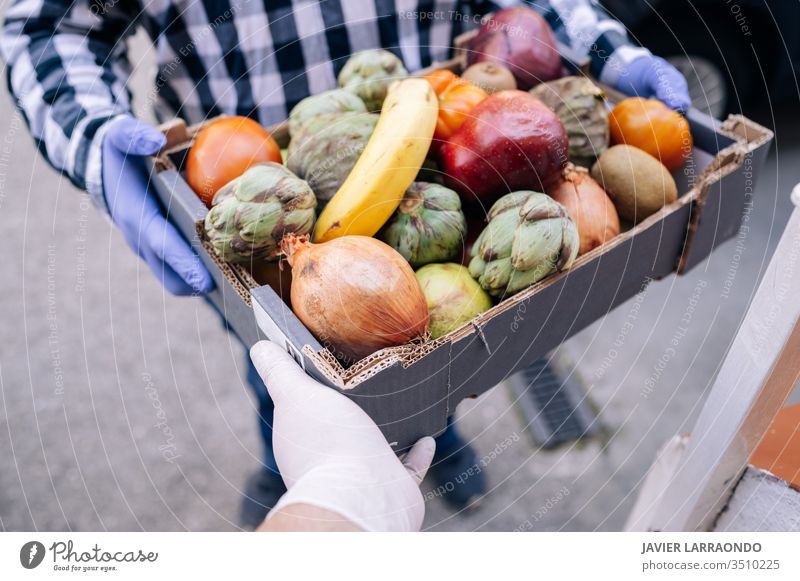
(136, 212)
(651, 76)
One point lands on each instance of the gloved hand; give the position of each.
(333, 456)
(651, 76)
(137, 213)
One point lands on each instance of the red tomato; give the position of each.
(223, 150)
(653, 127)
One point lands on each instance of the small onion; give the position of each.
(588, 205)
(355, 294)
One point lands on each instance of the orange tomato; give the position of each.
(653, 127)
(223, 150)
(455, 104)
(440, 80)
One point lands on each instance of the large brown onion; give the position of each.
(588, 205)
(355, 294)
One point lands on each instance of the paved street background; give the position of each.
(123, 408)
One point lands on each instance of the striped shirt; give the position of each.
(68, 67)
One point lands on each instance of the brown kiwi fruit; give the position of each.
(637, 183)
(490, 77)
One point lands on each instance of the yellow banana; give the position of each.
(387, 166)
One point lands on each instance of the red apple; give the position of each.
(511, 141)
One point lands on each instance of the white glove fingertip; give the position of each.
(276, 367)
(419, 458)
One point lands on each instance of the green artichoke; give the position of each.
(369, 73)
(580, 105)
(529, 236)
(428, 226)
(327, 147)
(251, 214)
(333, 101)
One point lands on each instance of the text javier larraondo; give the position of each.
(67, 556)
(700, 547)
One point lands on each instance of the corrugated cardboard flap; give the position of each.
(364, 369)
(748, 137)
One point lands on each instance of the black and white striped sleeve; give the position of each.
(588, 29)
(67, 68)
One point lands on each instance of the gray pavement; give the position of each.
(123, 408)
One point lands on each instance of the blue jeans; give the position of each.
(446, 444)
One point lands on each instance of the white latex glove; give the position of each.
(332, 455)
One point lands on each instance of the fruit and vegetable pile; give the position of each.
(406, 206)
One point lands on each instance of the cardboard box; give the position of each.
(411, 390)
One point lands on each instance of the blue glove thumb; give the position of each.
(137, 214)
(133, 137)
(651, 76)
